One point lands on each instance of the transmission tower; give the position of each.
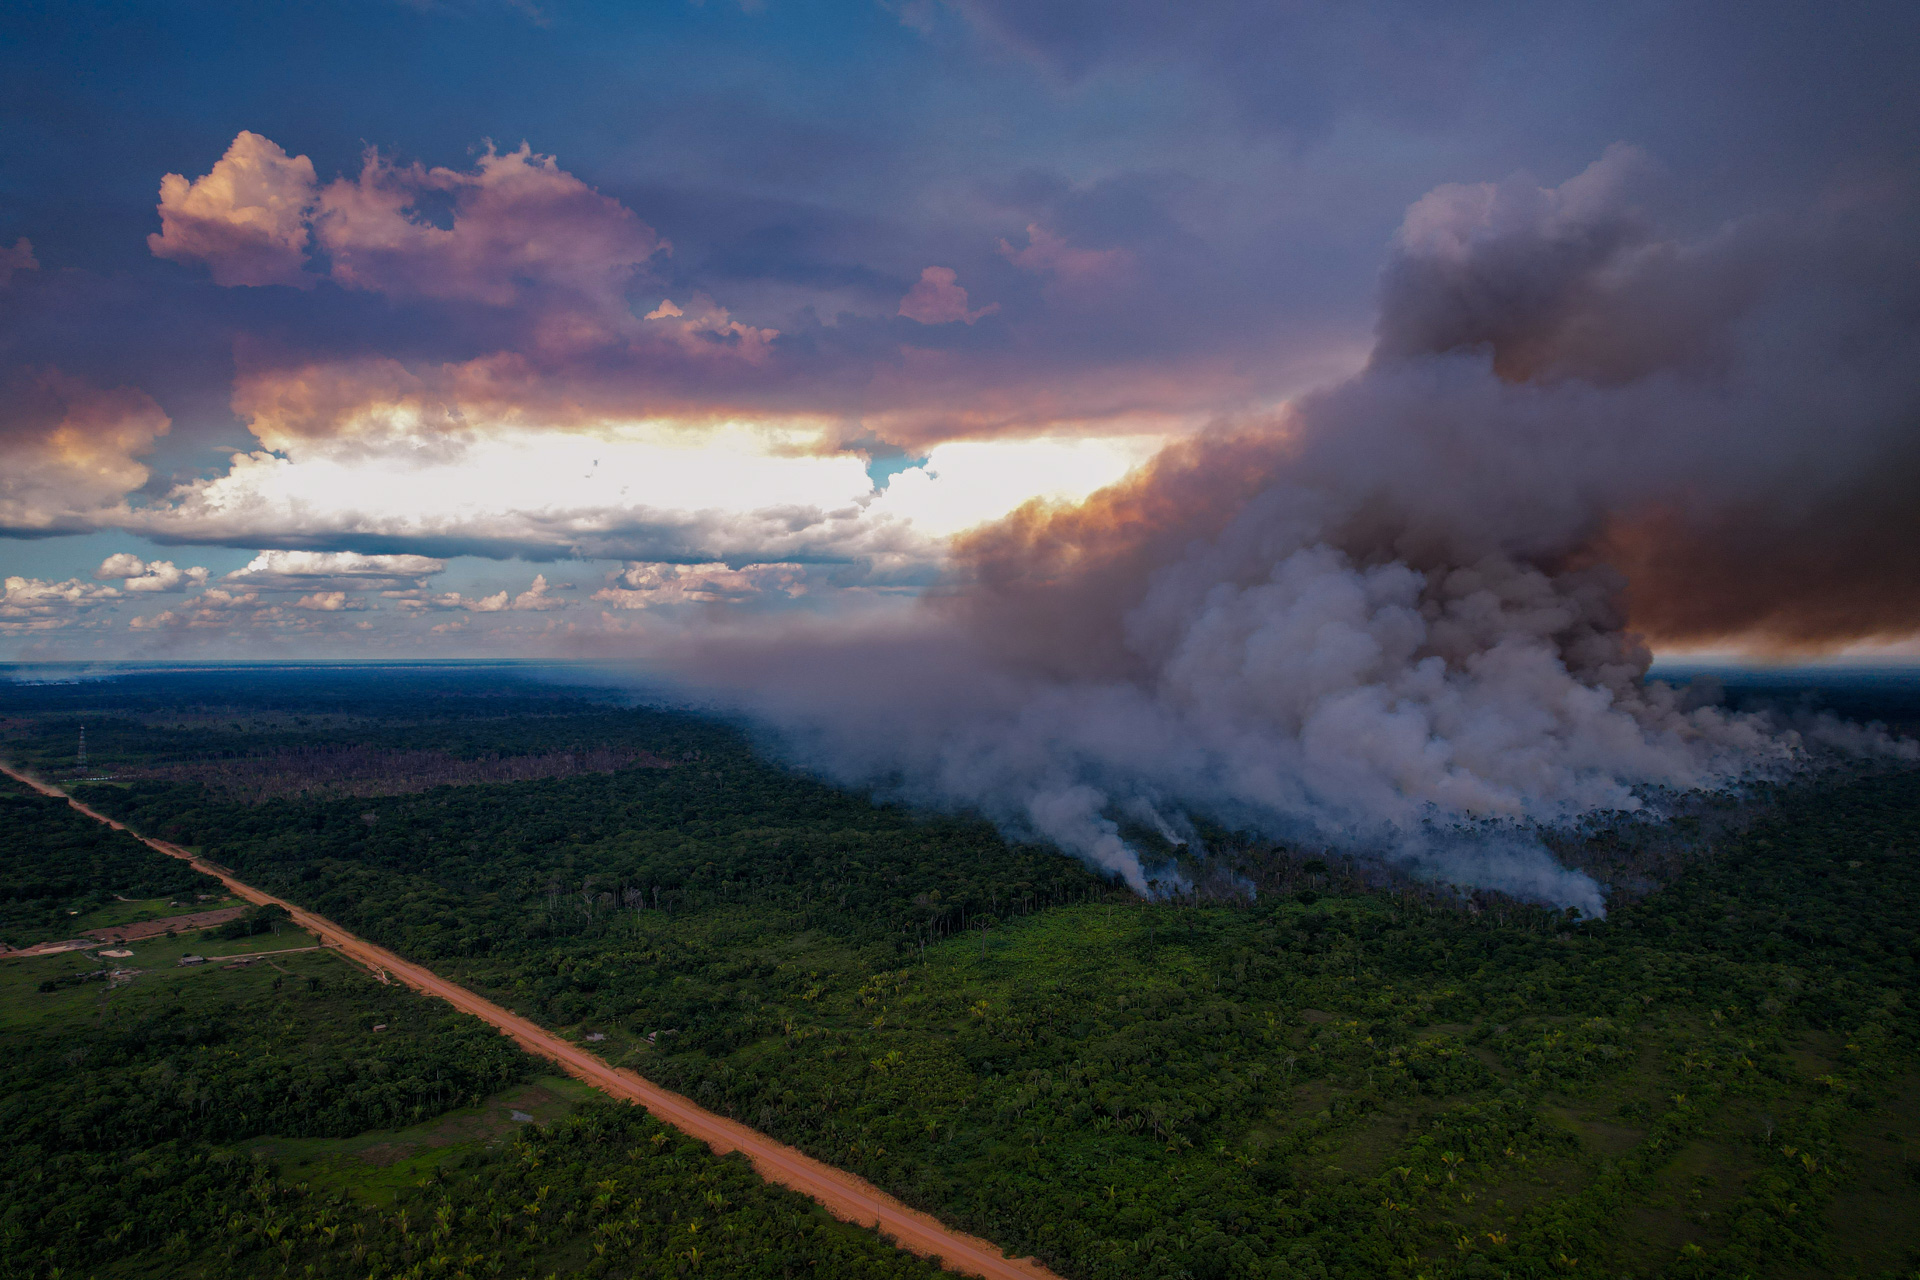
(82, 762)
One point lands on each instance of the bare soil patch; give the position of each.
(179, 924)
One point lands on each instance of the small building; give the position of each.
(193, 959)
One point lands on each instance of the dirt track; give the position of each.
(846, 1197)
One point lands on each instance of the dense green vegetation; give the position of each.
(134, 1102)
(1718, 1080)
(56, 864)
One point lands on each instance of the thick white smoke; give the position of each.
(1368, 708)
(1387, 614)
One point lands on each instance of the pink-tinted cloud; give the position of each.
(709, 330)
(1050, 255)
(517, 227)
(378, 398)
(331, 602)
(246, 220)
(70, 450)
(938, 299)
(645, 585)
(519, 222)
(540, 266)
(18, 258)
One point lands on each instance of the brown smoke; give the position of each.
(1731, 425)
(1047, 587)
(1783, 582)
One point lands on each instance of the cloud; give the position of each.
(516, 225)
(516, 277)
(140, 576)
(34, 604)
(450, 601)
(121, 564)
(245, 220)
(220, 599)
(215, 609)
(330, 602)
(709, 330)
(516, 222)
(377, 400)
(162, 575)
(677, 493)
(333, 571)
(647, 491)
(536, 598)
(937, 299)
(69, 451)
(1050, 255)
(651, 585)
(18, 258)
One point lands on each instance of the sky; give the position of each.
(558, 329)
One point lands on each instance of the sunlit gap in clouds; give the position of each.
(736, 491)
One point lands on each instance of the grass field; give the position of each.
(377, 1166)
(140, 910)
(158, 976)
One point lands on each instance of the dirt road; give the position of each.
(846, 1197)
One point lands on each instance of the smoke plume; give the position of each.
(1415, 601)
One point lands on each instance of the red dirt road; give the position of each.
(846, 1197)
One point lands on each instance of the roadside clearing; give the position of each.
(845, 1196)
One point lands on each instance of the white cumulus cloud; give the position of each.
(144, 576)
